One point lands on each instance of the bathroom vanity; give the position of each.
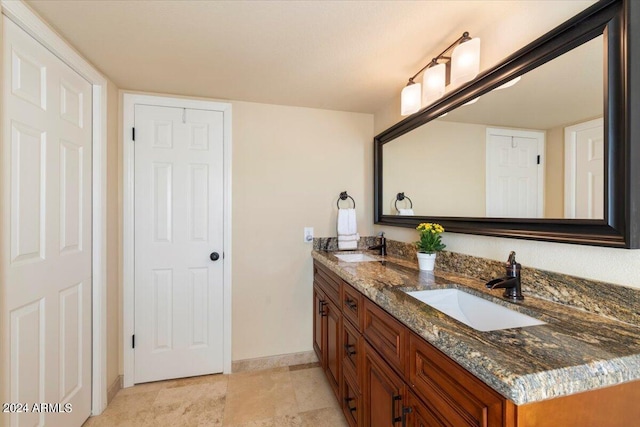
(395, 361)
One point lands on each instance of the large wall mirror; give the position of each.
(542, 146)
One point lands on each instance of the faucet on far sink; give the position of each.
(511, 282)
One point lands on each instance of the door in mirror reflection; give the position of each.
(514, 173)
(584, 170)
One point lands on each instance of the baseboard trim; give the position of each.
(278, 361)
(114, 388)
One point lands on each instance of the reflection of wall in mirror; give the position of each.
(554, 174)
(438, 167)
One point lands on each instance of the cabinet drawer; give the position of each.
(450, 391)
(352, 305)
(328, 281)
(420, 415)
(387, 335)
(352, 352)
(351, 402)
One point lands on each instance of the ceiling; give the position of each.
(339, 55)
(566, 90)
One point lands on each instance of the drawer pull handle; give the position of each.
(348, 349)
(349, 407)
(405, 411)
(395, 399)
(351, 304)
(321, 305)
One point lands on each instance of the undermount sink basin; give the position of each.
(355, 257)
(473, 311)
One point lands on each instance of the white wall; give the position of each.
(289, 166)
(620, 266)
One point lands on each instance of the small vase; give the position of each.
(426, 262)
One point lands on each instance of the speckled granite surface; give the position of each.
(331, 243)
(618, 302)
(574, 352)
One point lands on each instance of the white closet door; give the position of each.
(45, 261)
(178, 225)
(514, 187)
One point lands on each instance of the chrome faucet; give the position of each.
(511, 282)
(382, 246)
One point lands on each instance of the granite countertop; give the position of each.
(574, 351)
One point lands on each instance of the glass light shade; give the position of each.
(465, 61)
(433, 83)
(410, 99)
(509, 83)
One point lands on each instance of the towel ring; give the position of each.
(345, 196)
(400, 197)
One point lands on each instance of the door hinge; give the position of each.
(133, 133)
(133, 341)
(538, 158)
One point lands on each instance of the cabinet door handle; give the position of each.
(351, 304)
(405, 411)
(321, 305)
(394, 418)
(347, 349)
(346, 401)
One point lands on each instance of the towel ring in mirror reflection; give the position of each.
(400, 197)
(345, 196)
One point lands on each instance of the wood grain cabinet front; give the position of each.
(450, 391)
(386, 335)
(383, 392)
(351, 401)
(352, 305)
(419, 415)
(333, 349)
(352, 352)
(327, 337)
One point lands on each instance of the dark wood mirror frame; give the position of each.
(619, 21)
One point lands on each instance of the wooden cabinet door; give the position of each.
(351, 351)
(452, 392)
(333, 353)
(387, 335)
(351, 401)
(352, 305)
(420, 415)
(319, 325)
(383, 392)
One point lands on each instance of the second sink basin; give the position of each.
(355, 257)
(473, 311)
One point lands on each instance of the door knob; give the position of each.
(214, 256)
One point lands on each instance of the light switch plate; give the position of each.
(308, 234)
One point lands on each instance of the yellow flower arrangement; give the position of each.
(430, 240)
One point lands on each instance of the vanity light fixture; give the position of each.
(464, 65)
(509, 83)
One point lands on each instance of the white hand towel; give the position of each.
(350, 238)
(405, 212)
(353, 244)
(347, 222)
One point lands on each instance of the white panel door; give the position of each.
(178, 225)
(513, 180)
(589, 169)
(45, 261)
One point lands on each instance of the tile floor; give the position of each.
(296, 396)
